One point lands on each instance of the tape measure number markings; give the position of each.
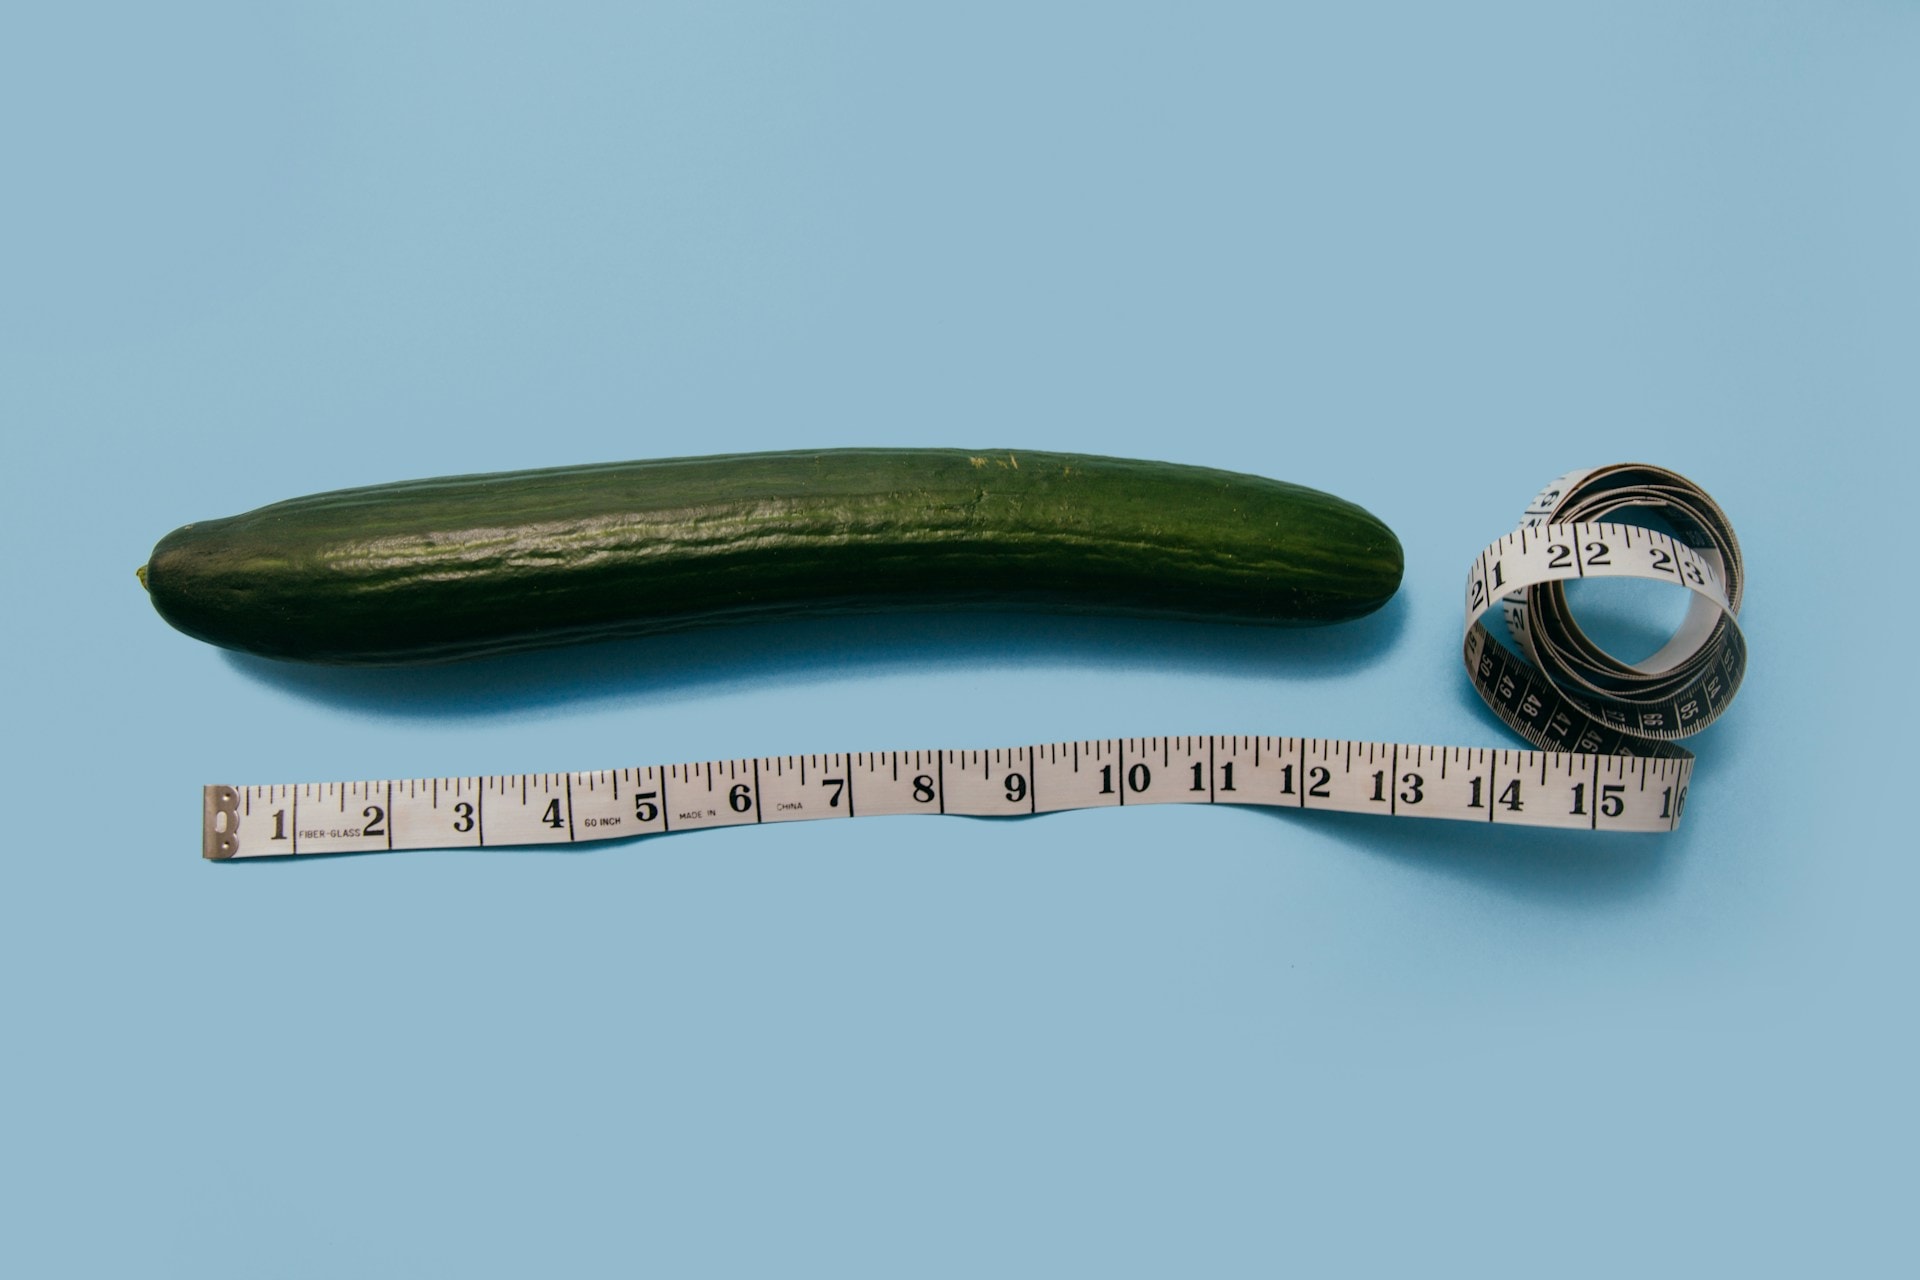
(1603, 730)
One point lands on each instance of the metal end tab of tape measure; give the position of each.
(1603, 729)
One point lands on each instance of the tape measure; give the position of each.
(1602, 730)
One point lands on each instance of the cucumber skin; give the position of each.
(465, 566)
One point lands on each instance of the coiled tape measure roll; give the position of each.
(1602, 730)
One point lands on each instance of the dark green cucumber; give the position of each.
(431, 570)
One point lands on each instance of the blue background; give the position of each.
(1423, 256)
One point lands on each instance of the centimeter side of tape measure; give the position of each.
(1601, 730)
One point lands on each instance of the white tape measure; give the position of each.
(1603, 729)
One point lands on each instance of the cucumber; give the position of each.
(434, 570)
